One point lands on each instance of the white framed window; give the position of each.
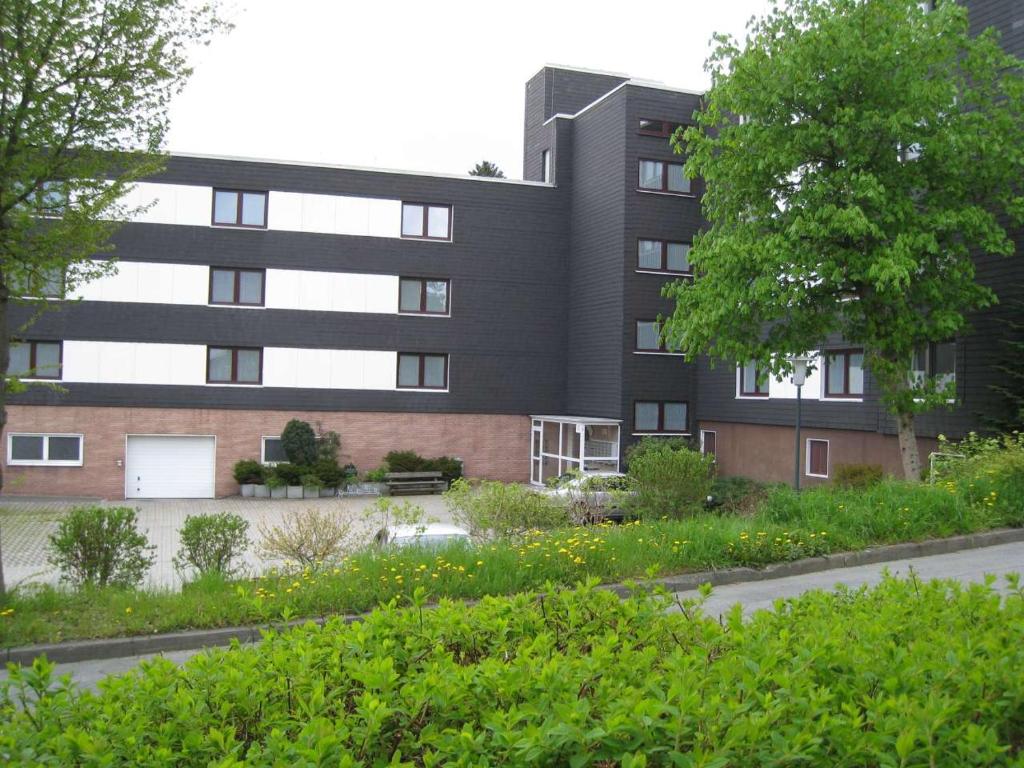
(545, 165)
(272, 450)
(817, 458)
(26, 449)
(709, 442)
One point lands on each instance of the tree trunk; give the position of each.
(5, 351)
(908, 447)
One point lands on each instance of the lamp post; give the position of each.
(799, 363)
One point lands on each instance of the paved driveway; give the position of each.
(26, 524)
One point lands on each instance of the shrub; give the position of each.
(450, 469)
(669, 480)
(289, 474)
(504, 509)
(249, 471)
(299, 442)
(902, 674)
(309, 480)
(378, 475)
(330, 474)
(311, 538)
(738, 495)
(404, 461)
(648, 444)
(387, 512)
(98, 546)
(857, 475)
(211, 543)
(328, 445)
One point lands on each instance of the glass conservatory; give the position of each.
(561, 444)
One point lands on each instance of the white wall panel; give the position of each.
(149, 283)
(784, 390)
(172, 203)
(111, 362)
(334, 214)
(328, 368)
(331, 291)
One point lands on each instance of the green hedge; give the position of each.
(905, 674)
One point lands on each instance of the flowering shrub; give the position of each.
(906, 673)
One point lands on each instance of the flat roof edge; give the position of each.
(360, 168)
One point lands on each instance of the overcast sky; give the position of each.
(428, 86)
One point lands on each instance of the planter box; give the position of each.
(248, 490)
(327, 493)
(261, 491)
(294, 491)
(311, 493)
(366, 489)
(280, 492)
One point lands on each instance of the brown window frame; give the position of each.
(664, 256)
(32, 358)
(425, 221)
(660, 430)
(713, 453)
(846, 354)
(810, 457)
(234, 365)
(422, 370)
(423, 296)
(238, 208)
(756, 391)
(664, 190)
(237, 288)
(667, 127)
(636, 338)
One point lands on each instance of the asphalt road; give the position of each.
(967, 566)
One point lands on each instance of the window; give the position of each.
(421, 295)
(935, 360)
(660, 417)
(662, 128)
(237, 286)
(709, 442)
(272, 450)
(46, 284)
(234, 365)
(648, 336)
(235, 208)
(35, 359)
(659, 176)
(44, 450)
(427, 221)
(545, 165)
(752, 384)
(844, 373)
(662, 256)
(422, 371)
(817, 458)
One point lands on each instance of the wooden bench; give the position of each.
(415, 482)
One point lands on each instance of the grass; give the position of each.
(785, 526)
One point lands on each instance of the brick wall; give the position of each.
(492, 446)
(765, 453)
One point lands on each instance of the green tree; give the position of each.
(84, 90)
(854, 154)
(485, 168)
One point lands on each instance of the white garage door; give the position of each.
(169, 467)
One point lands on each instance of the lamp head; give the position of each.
(799, 363)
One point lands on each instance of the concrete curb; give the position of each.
(118, 647)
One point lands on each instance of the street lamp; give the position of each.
(799, 363)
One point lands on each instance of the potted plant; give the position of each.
(291, 476)
(310, 486)
(276, 487)
(248, 474)
(261, 490)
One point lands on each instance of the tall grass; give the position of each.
(786, 526)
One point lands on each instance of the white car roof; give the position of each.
(429, 529)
